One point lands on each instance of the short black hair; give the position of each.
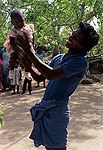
(91, 36)
(17, 13)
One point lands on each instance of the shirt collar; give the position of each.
(80, 54)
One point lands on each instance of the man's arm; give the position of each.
(34, 72)
(47, 71)
(37, 76)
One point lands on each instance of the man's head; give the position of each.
(83, 38)
(17, 18)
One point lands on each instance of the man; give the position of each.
(51, 115)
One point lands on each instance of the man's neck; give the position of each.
(69, 53)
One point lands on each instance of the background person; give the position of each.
(5, 66)
(15, 82)
(1, 86)
(40, 53)
(27, 80)
(2, 50)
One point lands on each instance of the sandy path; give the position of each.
(86, 123)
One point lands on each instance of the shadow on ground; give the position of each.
(86, 109)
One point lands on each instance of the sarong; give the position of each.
(50, 123)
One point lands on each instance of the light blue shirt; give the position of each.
(64, 87)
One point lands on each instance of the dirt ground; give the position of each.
(86, 123)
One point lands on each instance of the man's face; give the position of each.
(74, 42)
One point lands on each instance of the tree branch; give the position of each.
(4, 21)
(70, 25)
(25, 5)
(46, 18)
(82, 12)
(92, 14)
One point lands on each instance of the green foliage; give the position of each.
(53, 20)
(1, 115)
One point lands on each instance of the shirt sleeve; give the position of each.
(51, 64)
(74, 66)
